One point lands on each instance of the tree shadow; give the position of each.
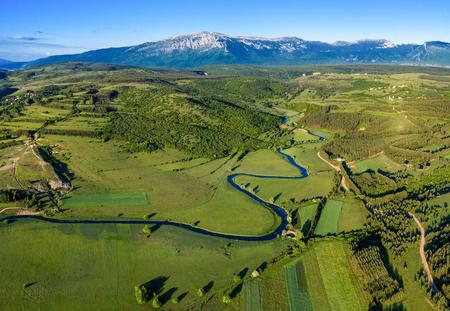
(151, 215)
(276, 197)
(165, 297)
(155, 228)
(208, 286)
(236, 291)
(182, 295)
(156, 285)
(262, 267)
(243, 272)
(306, 227)
(294, 217)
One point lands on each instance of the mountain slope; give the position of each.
(207, 48)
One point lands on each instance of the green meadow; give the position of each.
(103, 263)
(329, 218)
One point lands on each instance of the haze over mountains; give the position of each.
(207, 48)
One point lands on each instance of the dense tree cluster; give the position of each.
(211, 128)
(378, 277)
(392, 223)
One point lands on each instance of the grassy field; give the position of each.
(329, 218)
(353, 215)
(415, 295)
(296, 287)
(306, 216)
(319, 182)
(331, 283)
(266, 162)
(252, 295)
(41, 112)
(80, 123)
(106, 199)
(103, 263)
(381, 161)
(101, 169)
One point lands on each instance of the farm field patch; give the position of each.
(330, 281)
(329, 218)
(106, 199)
(252, 295)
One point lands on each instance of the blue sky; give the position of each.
(36, 28)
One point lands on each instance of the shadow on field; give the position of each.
(243, 272)
(155, 228)
(151, 215)
(181, 296)
(208, 286)
(165, 297)
(156, 285)
(236, 291)
(262, 267)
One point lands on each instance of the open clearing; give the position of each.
(381, 161)
(353, 215)
(329, 218)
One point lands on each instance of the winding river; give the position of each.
(279, 211)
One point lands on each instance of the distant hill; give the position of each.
(206, 48)
(10, 65)
(4, 62)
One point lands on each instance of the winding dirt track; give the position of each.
(426, 267)
(337, 169)
(9, 208)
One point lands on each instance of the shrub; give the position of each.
(226, 299)
(200, 292)
(141, 294)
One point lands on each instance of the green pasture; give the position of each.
(331, 283)
(266, 162)
(284, 191)
(228, 211)
(381, 161)
(306, 216)
(42, 112)
(102, 168)
(50, 266)
(300, 135)
(306, 156)
(106, 199)
(20, 125)
(80, 123)
(273, 288)
(432, 148)
(353, 215)
(319, 182)
(297, 291)
(441, 200)
(415, 295)
(329, 218)
(252, 295)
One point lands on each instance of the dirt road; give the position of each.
(9, 208)
(337, 169)
(426, 267)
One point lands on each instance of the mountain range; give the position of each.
(207, 48)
